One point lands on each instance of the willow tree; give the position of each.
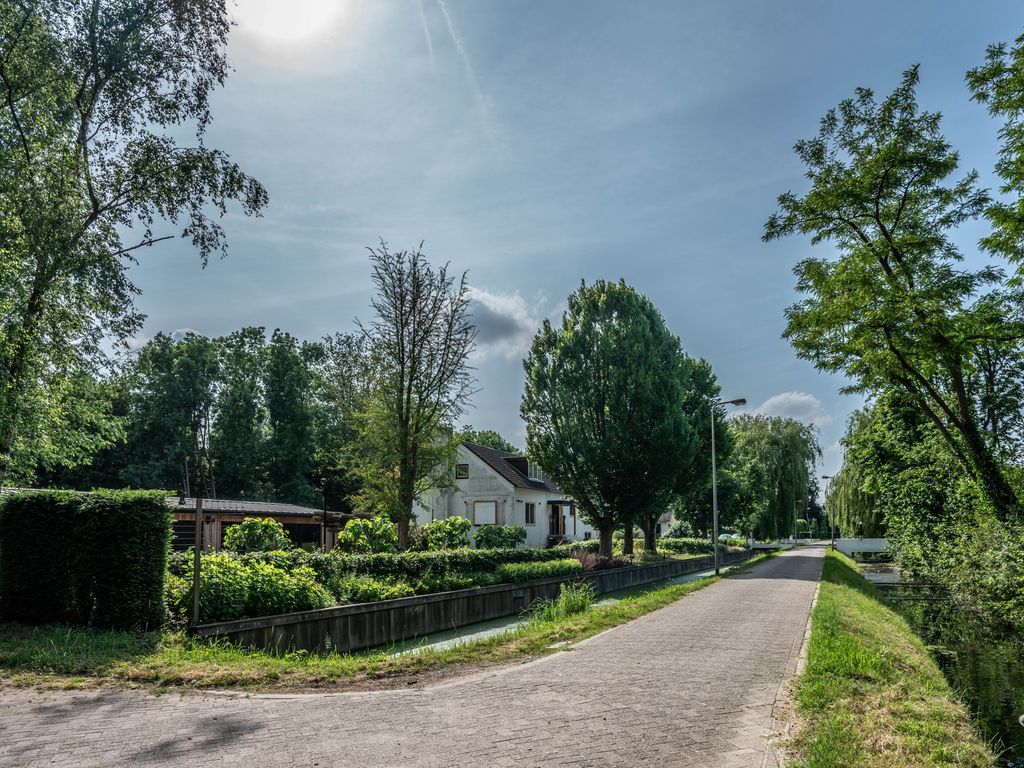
(891, 306)
(418, 349)
(772, 463)
(94, 97)
(602, 405)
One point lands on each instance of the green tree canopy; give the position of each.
(488, 438)
(93, 97)
(894, 308)
(603, 406)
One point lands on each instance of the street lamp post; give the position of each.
(831, 514)
(714, 477)
(323, 520)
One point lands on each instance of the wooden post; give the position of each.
(196, 559)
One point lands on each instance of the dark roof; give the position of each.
(244, 506)
(499, 462)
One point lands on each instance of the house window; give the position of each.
(485, 512)
(531, 513)
(462, 471)
(534, 472)
(586, 536)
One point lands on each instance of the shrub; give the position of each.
(516, 572)
(230, 588)
(362, 536)
(686, 546)
(363, 589)
(680, 529)
(450, 533)
(572, 598)
(591, 561)
(96, 559)
(499, 536)
(255, 534)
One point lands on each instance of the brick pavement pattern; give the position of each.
(690, 685)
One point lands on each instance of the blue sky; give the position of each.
(537, 143)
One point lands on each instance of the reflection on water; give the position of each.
(983, 662)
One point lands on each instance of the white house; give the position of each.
(497, 487)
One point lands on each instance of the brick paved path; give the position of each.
(690, 685)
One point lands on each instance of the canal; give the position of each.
(984, 663)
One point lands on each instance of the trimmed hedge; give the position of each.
(517, 572)
(96, 559)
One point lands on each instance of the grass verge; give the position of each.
(64, 657)
(871, 696)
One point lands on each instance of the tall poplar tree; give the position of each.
(603, 407)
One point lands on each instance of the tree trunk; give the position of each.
(627, 539)
(650, 539)
(403, 533)
(605, 537)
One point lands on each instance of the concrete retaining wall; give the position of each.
(391, 622)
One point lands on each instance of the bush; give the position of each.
(96, 559)
(363, 589)
(499, 536)
(230, 588)
(572, 598)
(680, 529)
(256, 535)
(686, 546)
(517, 572)
(450, 533)
(362, 536)
(591, 561)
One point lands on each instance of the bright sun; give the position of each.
(290, 23)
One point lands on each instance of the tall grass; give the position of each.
(871, 696)
(573, 598)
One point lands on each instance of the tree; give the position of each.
(172, 392)
(772, 466)
(602, 405)
(93, 96)
(893, 309)
(419, 346)
(286, 387)
(240, 430)
(488, 438)
(338, 388)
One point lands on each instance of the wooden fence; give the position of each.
(403, 620)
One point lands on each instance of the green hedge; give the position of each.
(96, 559)
(517, 572)
(685, 546)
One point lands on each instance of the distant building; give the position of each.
(501, 488)
(221, 514)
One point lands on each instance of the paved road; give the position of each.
(690, 685)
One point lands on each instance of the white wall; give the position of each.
(484, 484)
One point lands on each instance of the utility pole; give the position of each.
(831, 515)
(196, 561)
(714, 477)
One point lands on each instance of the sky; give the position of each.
(536, 144)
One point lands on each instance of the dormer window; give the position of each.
(534, 472)
(462, 471)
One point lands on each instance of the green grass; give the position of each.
(70, 657)
(871, 696)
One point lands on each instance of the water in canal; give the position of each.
(983, 663)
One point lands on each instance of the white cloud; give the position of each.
(801, 406)
(506, 323)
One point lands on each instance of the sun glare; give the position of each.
(290, 23)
